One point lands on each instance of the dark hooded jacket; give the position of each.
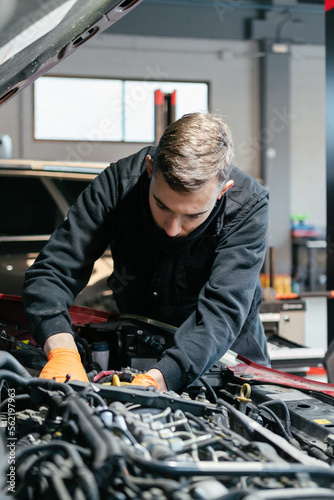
(206, 283)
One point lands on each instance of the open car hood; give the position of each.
(35, 35)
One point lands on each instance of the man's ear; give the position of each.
(149, 166)
(226, 187)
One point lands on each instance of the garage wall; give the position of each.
(232, 69)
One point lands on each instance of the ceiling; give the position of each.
(302, 20)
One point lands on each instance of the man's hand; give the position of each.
(63, 359)
(152, 377)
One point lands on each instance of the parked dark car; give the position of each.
(34, 199)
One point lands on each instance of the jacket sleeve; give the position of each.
(225, 302)
(65, 264)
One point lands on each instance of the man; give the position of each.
(187, 230)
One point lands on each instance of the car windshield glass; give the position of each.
(26, 207)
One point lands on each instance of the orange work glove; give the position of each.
(144, 380)
(64, 361)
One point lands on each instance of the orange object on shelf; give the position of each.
(282, 282)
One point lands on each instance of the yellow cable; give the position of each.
(115, 380)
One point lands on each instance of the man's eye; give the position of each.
(195, 216)
(161, 207)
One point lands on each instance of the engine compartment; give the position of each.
(242, 432)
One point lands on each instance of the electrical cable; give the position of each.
(282, 403)
(278, 422)
(238, 415)
(125, 432)
(210, 390)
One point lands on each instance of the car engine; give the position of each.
(241, 432)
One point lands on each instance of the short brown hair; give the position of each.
(193, 150)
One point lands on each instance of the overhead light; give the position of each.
(280, 48)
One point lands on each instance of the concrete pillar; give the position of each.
(275, 146)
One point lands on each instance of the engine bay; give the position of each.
(241, 432)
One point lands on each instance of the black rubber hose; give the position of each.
(283, 404)
(170, 486)
(238, 415)
(232, 434)
(204, 426)
(18, 398)
(278, 422)
(102, 443)
(39, 478)
(93, 397)
(7, 361)
(213, 397)
(25, 452)
(59, 486)
(124, 432)
(83, 342)
(315, 452)
(20, 381)
(86, 476)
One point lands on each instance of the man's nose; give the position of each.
(173, 225)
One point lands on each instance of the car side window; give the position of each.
(26, 207)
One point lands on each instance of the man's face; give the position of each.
(178, 214)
